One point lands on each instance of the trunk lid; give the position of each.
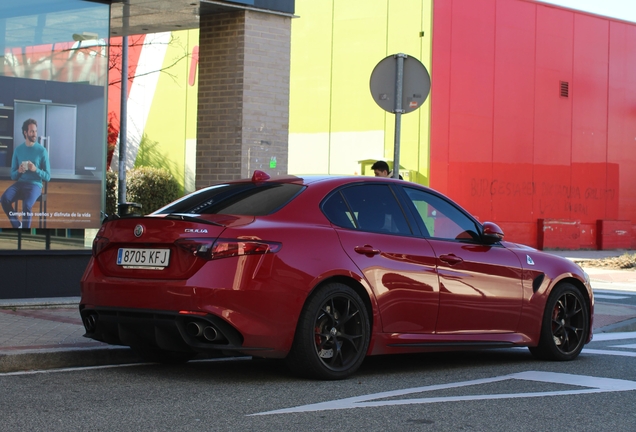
(158, 246)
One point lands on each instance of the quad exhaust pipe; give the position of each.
(194, 329)
(198, 329)
(210, 333)
(90, 322)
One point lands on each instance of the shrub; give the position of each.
(151, 187)
(111, 192)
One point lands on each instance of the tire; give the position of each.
(565, 326)
(332, 336)
(156, 355)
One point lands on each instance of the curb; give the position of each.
(40, 302)
(45, 359)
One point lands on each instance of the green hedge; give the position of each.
(111, 192)
(153, 188)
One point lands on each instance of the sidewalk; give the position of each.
(48, 333)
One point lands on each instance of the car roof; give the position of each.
(331, 179)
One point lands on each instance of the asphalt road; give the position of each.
(475, 391)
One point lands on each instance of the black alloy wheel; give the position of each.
(565, 325)
(332, 336)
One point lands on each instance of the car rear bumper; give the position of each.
(261, 307)
(170, 331)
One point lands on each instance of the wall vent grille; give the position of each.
(564, 88)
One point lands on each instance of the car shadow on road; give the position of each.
(437, 361)
(248, 369)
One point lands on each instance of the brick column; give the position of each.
(243, 99)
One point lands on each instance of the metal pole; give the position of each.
(121, 191)
(399, 83)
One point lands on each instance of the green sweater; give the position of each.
(40, 158)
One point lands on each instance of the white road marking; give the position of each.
(609, 297)
(589, 384)
(610, 352)
(81, 368)
(47, 371)
(628, 346)
(600, 337)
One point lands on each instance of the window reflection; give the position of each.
(65, 41)
(45, 239)
(51, 40)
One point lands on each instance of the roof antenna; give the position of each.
(260, 176)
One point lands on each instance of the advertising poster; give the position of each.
(52, 153)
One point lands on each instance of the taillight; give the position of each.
(99, 243)
(225, 248)
(198, 247)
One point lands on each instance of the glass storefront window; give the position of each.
(54, 72)
(55, 40)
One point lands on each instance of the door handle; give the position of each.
(451, 259)
(367, 250)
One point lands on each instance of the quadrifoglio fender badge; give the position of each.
(139, 230)
(529, 260)
(196, 230)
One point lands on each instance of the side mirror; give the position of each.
(492, 233)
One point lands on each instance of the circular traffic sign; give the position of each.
(416, 83)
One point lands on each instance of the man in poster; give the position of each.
(30, 167)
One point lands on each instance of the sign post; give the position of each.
(399, 84)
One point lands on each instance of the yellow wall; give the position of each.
(334, 121)
(173, 114)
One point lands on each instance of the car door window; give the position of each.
(441, 218)
(371, 208)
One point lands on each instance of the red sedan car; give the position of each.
(323, 271)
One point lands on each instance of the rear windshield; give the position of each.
(244, 199)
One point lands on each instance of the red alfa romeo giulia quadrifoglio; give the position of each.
(323, 271)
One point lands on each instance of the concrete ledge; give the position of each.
(622, 326)
(39, 302)
(27, 360)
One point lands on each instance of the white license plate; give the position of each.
(152, 259)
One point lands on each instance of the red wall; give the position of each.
(506, 144)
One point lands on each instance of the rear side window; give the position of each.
(337, 211)
(367, 207)
(242, 199)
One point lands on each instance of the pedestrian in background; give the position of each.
(381, 169)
